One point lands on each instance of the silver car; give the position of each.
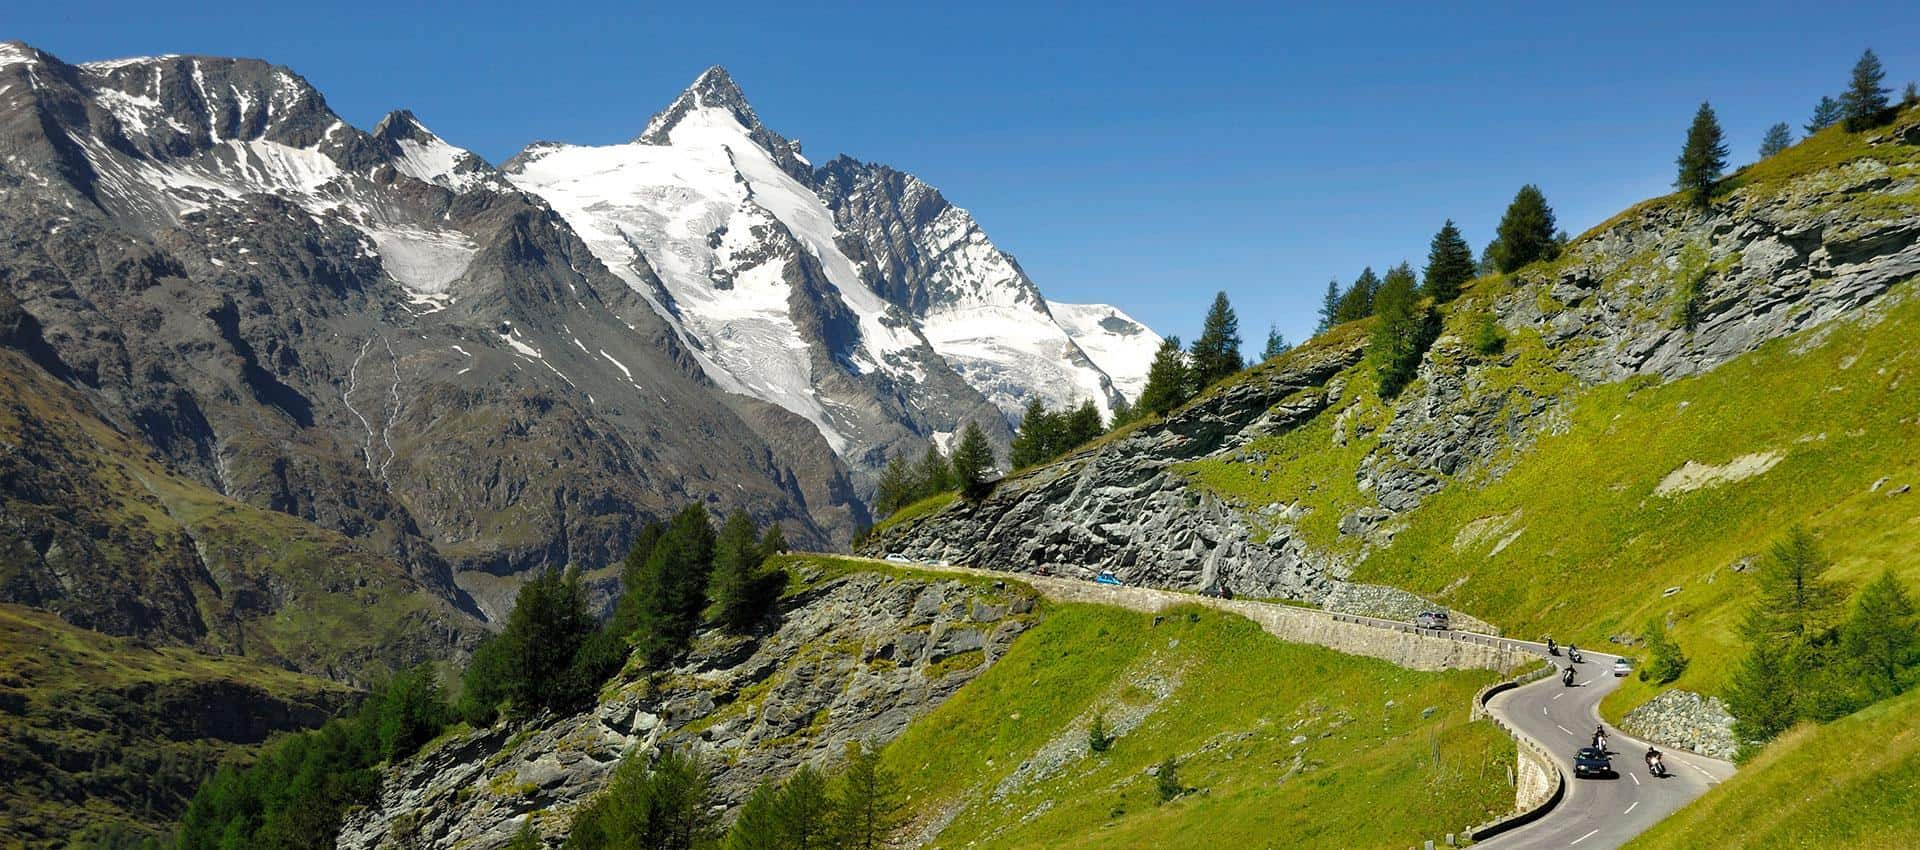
(1431, 620)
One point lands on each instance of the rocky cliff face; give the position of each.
(851, 658)
(1662, 291)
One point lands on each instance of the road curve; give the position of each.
(1595, 814)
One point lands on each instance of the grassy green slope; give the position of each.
(1852, 783)
(1228, 700)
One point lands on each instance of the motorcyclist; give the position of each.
(1600, 738)
(1573, 652)
(1552, 648)
(1654, 763)
(1566, 677)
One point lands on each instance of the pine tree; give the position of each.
(1082, 425)
(734, 586)
(1449, 264)
(1122, 413)
(1703, 157)
(1329, 307)
(1826, 113)
(1779, 137)
(868, 808)
(895, 488)
(1216, 354)
(1797, 602)
(548, 624)
(1166, 780)
(757, 826)
(633, 570)
(1098, 739)
(1865, 101)
(1039, 434)
(933, 473)
(1880, 640)
(674, 592)
(1761, 695)
(1527, 231)
(773, 542)
(973, 461)
(663, 806)
(1403, 333)
(1357, 302)
(1276, 344)
(1168, 383)
(1488, 264)
(1910, 97)
(803, 813)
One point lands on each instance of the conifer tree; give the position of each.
(1276, 344)
(1703, 157)
(1166, 780)
(1357, 302)
(773, 542)
(1779, 137)
(1216, 354)
(896, 486)
(1082, 425)
(1797, 601)
(526, 838)
(803, 813)
(1039, 434)
(868, 808)
(1880, 640)
(1665, 661)
(663, 806)
(1527, 231)
(1449, 264)
(757, 826)
(1865, 99)
(674, 590)
(633, 570)
(548, 624)
(973, 461)
(1826, 113)
(1761, 695)
(1403, 333)
(1122, 413)
(1329, 307)
(1910, 97)
(933, 474)
(1168, 383)
(734, 586)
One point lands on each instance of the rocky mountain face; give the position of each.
(1660, 292)
(851, 658)
(850, 294)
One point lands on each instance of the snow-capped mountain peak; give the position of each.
(422, 155)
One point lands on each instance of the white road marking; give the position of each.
(1636, 779)
(1555, 696)
(1630, 809)
(1702, 770)
(1586, 683)
(1564, 729)
(1543, 711)
(1581, 838)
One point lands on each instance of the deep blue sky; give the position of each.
(1140, 154)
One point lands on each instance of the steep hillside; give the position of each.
(1673, 393)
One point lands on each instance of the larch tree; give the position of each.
(973, 464)
(1449, 264)
(1826, 113)
(734, 586)
(1779, 137)
(1702, 158)
(1879, 640)
(868, 806)
(1865, 101)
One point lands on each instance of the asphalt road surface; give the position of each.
(1598, 813)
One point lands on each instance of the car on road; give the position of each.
(899, 558)
(1592, 761)
(1621, 667)
(1107, 577)
(1431, 620)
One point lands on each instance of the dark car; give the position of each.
(1592, 761)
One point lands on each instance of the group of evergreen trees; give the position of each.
(296, 794)
(1177, 375)
(1808, 657)
(969, 470)
(552, 655)
(1045, 434)
(668, 805)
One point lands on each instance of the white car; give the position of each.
(899, 558)
(1621, 667)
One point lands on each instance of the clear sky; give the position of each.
(1142, 154)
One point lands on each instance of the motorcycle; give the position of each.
(1552, 648)
(1657, 766)
(1566, 677)
(1575, 656)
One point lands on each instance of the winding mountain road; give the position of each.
(1598, 813)
(1594, 814)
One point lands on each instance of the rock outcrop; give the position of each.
(1684, 720)
(853, 658)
